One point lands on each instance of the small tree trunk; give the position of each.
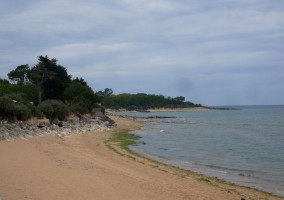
(39, 92)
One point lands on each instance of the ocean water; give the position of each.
(244, 146)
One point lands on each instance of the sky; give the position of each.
(213, 52)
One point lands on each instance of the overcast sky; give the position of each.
(214, 52)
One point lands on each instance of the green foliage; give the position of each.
(80, 96)
(20, 75)
(6, 105)
(77, 89)
(124, 139)
(27, 91)
(18, 97)
(21, 98)
(106, 93)
(4, 81)
(12, 110)
(103, 110)
(80, 108)
(108, 102)
(80, 80)
(46, 80)
(102, 95)
(54, 109)
(22, 112)
(143, 101)
(49, 79)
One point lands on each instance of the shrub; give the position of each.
(80, 108)
(35, 110)
(132, 107)
(22, 112)
(23, 91)
(19, 97)
(6, 107)
(13, 111)
(54, 109)
(102, 109)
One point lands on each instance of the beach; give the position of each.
(87, 166)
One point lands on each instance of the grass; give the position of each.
(124, 139)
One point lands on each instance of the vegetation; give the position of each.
(54, 109)
(124, 139)
(47, 89)
(20, 75)
(143, 101)
(25, 90)
(80, 96)
(12, 110)
(49, 79)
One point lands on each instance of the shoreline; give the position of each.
(152, 161)
(84, 167)
(111, 111)
(248, 177)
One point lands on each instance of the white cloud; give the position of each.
(151, 6)
(79, 50)
(153, 41)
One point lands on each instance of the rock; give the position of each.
(64, 128)
(41, 125)
(53, 127)
(60, 124)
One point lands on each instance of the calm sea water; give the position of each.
(243, 146)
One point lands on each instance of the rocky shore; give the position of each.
(24, 130)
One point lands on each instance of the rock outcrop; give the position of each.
(21, 129)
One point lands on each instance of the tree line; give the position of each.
(142, 101)
(46, 89)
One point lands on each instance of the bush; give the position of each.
(53, 109)
(6, 107)
(35, 111)
(23, 91)
(80, 108)
(19, 97)
(13, 111)
(102, 109)
(132, 107)
(22, 112)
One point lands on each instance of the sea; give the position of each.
(240, 144)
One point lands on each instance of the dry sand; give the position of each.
(83, 167)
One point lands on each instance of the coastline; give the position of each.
(84, 167)
(161, 110)
(151, 161)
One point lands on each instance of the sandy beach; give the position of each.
(84, 167)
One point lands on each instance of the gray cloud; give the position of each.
(229, 49)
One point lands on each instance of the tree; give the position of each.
(20, 74)
(4, 81)
(106, 93)
(39, 74)
(79, 93)
(80, 80)
(56, 85)
(180, 99)
(143, 101)
(50, 79)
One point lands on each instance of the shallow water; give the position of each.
(243, 146)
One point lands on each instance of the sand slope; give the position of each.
(83, 167)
